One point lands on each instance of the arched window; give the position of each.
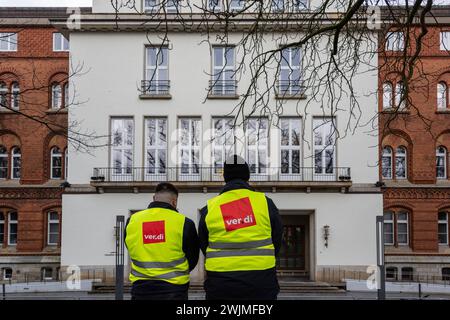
(3, 95)
(387, 95)
(3, 163)
(16, 163)
(400, 96)
(442, 95)
(443, 227)
(56, 96)
(55, 163)
(66, 95)
(53, 228)
(441, 163)
(400, 163)
(386, 163)
(15, 96)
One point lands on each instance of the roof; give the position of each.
(34, 16)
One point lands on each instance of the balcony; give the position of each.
(290, 89)
(151, 89)
(198, 178)
(223, 89)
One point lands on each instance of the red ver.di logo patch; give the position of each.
(153, 232)
(238, 214)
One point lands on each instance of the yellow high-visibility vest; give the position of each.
(240, 234)
(154, 239)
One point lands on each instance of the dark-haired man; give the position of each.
(163, 247)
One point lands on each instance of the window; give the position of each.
(66, 95)
(400, 96)
(171, 6)
(237, 4)
(445, 274)
(223, 75)
(47, 273)
(8, 41)
(53, 228)
(122, 132)
(400, 163)
(277, 5)
(3, 163)
(442, 95)
(441, 163)
(189, 145)
(3, 95)
(215, 5)
(407, 274)
(402, 228)
(391, 273)
(155, 146)
(16, 163)
(223, 142)
(257, 145)
(60, 43)
(395, 41)
(386, 163)
(443, 227)
(290, 72)
(324, 145)
(15, 94)
(299, 5)
(445, 40)
(290, 145)
(156, 71)
(387, 95)
(2, 228)
(55, 163)
(56, 96)
(12, 228)
(389, 228)
(66, 163)
(7, 273)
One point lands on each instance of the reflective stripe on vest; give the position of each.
(154, 239)
(239, 231)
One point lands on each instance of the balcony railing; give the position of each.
(222, 87)
(215, 174)
(155, 87)
(290, 88)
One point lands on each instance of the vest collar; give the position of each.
(159, 204)
(236, 184)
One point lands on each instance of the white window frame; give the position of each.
(158, 147)
(56, 96)
(11, 41)
(60, 43)
(55, 152)
(10, 223)
(4, 277)
(443, 222)
(399, 92)
(124, 172)
(66, 95)
(3, 95)
(290, 66)
(390, 222)
(43, 273)
(222, 144)
(4, 155)
(385, 155)
(395, 41)
(325, 125)
(2, 228)
(292, 122)
(50, 222)
(405, 222)
(192, 147)
(260, 145)
(442, 96)
(444, 40)
(215, 5)
(441, 153)
(153, 6)
(277, 5)
(15, 96)
(401, 156)
(66, 163)
(236, 5)
(220, 71)
(16, 162)
(153, 72)
(387, 95)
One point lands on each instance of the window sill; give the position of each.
(53, 111)
(6, 110)
(155, 96)
(447, 111)
(403, 111)
(290, 96)
(226, 97)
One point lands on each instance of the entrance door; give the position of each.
(292, 252)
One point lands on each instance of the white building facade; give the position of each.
(163, 105)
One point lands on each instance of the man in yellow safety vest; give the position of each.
(163, 247)
(240, 234)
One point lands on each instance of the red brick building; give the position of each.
(415, 153)
(34, 77)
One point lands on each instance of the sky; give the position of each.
(45, 3)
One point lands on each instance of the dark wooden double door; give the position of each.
(293, 248)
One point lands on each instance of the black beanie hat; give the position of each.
(235, 167)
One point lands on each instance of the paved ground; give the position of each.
(200, 296)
